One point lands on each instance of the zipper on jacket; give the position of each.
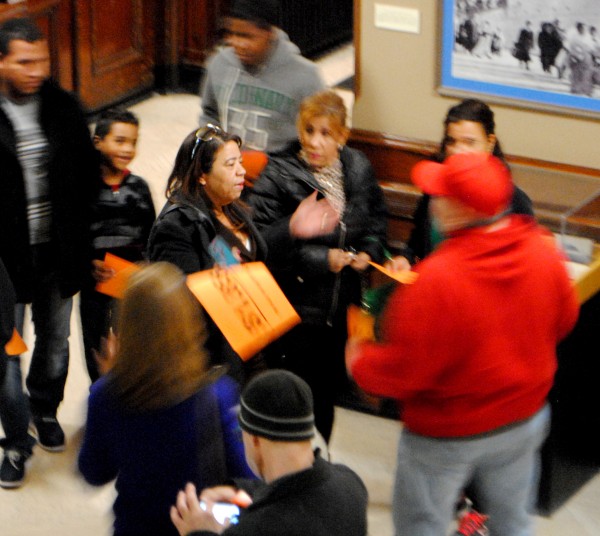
(338, 278)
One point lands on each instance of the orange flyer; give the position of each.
(406, 277)
(361, 325)
(16, 345)
(116, 285)
(246, 304)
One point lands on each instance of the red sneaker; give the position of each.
(472, 523)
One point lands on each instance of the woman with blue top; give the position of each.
(159, 418)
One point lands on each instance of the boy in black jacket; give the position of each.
(121, 217)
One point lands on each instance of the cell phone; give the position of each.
(224, 511)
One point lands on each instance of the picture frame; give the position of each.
(501, 59)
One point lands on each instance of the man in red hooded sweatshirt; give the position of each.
(470, 351)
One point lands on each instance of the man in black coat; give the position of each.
(301, 493)
(49, 168)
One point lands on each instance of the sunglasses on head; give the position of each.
(207, 133)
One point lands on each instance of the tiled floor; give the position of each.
(55, 501)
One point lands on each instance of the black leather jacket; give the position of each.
(73, 175)
(301, 267)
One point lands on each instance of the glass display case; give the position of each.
(579, 237)
(567, 202)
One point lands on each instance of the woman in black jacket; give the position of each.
(468, 127)
(203, 222)
(319, 275)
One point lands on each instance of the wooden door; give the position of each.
(114, 49)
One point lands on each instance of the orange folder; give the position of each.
(246, 304)
(116, 285)
(16, 345)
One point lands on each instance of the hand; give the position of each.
(360, 261)
(397, 264)
(338, 259)
(188, 516)
(101, 272)
(313, 218)
(226, 494)
(106, 357)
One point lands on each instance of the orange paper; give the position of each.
(16, 345)
(246, 304)
(406, 277)
(254, 162)
(361, 325)
(116, 285)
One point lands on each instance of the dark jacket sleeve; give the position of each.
(272, 206)
(149, 215)
(95, 462)
(370, 235)
(419, 243)
(181, 240)
(7, 307)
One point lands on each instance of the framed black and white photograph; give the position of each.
(542, 54)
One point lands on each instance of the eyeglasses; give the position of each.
(207, 133)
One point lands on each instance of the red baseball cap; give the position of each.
(478, 180)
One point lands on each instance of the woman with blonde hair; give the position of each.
(158, 419)
(320, 275)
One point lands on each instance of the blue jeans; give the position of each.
(51, 315)
(503, 469)
(14, 406)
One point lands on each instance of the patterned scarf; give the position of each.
(331, 180)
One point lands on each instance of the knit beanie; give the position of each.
(277, 405)
(256, 10)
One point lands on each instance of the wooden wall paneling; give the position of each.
(200, 32)
(114, 57)
(553, 187)
(54, 17)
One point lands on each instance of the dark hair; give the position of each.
(471, 110)
(259, 23)
(111, 116)
(264, 14)
(183, 179)
(23, 29)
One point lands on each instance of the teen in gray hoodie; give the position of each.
(253, 87)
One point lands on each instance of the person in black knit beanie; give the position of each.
(300, 493)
